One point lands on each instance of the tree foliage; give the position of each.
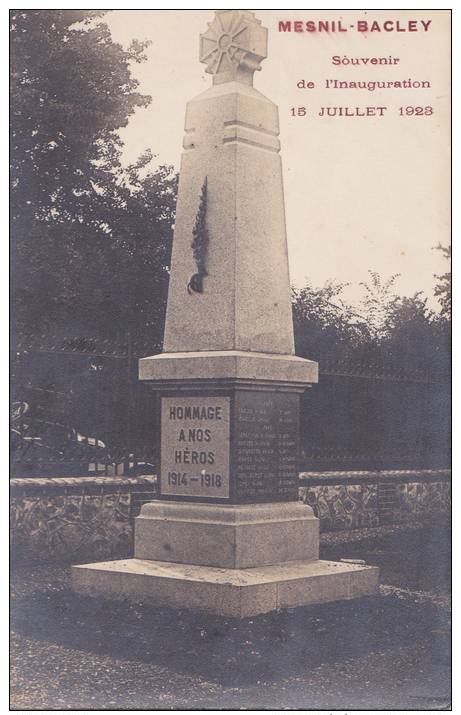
(91, 239)
(377, 304)
(324, 323)
(443, 287)
(384, 328)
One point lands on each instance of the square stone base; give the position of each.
(234, 593)
(226, 536)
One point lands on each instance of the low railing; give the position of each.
(34, 461)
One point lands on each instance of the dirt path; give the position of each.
(70, 652)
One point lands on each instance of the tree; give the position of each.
(325, 326)
(412, 339)
(443, 288)
(91, 239)
(376, 305)
(71, 90)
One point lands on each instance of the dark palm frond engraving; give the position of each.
(199, 244)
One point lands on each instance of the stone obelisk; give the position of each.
(228, 533)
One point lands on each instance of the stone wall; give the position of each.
(420, 500)
(79, 519)
(75, 518)
(354, 500)
(343, 506)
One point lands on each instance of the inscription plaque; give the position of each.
(265, 448)
(195, 447)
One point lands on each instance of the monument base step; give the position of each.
(235, 593)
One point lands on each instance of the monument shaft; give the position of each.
(231, 141)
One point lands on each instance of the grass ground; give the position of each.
(387, 652)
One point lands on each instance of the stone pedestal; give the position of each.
(230, 434)
(227, 534)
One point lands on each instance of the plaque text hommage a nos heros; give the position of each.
(195, 447)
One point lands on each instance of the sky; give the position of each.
(360, 193)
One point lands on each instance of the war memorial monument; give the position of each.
(227, 533)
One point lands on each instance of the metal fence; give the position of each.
(78, 409)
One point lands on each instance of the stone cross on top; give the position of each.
(233, 46)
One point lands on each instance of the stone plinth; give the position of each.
(234, 593)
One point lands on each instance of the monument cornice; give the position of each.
(229, 366)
